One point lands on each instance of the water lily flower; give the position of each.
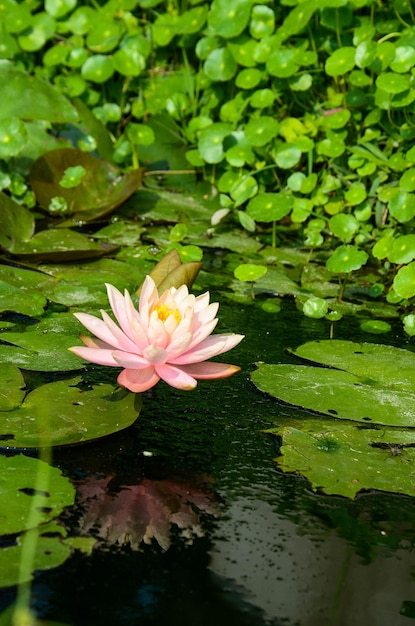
(168, 338)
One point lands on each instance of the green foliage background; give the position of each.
(299, 114)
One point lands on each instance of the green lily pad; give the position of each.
(51, 552)
(99, 192)
(18, 482)
(368, 360)
(61, 413)
(15, 299)
(249, 272)
(336, 393)
(343, 459)
(11, 388)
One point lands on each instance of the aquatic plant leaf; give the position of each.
(343, 458)
(371, 361)
(32, 98)
(337, 393)
(404, 281)
(61, 413)
(228, 18)
(50, 552)
(40, 351)
(18, 476)
(16, 223)
(11, 387)
(346, 259)
(61, 244)
(99, 192)
(16, 299)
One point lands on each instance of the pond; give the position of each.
(256, 546)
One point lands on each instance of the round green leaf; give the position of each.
(262, 23)
(98, 68)
(269, 207)
(366, 53)
(82, 415)
(260, 130)
(243, 50)
(17, 18)
(210, 142)
(128, 62)
(341, 61)
(103, 35)
(376, 327)
(248, 78)
(262, 99)
(409, 324)
(287, 156)
(393, 83)
(220, 65)
(403, 249)
(283, 63)
(407, 180)
(402, 206)
(344, 226)
(13, 136)
(140, 134)
(41, 29)
(8, 46)
(404, 281)
(346, 259)
(248, 272)
(229, 18)
(404, 59)
(315, 307)
(59, 8)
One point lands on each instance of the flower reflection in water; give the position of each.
(138, 513)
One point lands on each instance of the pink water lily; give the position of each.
(168, 338)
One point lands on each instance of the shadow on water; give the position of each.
(254, 546)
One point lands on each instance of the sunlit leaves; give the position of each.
(228, 18)
(346, 259)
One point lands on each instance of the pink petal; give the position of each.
(128, 360)
(123, 340)
(98, 328)
(148, 299)
(138, 380)
(178, 345)
(95, 355)
(212, 346)
(117, 302)
(202, 332)
(176, 377)
(154, 355)
(210, 370)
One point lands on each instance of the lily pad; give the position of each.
(337, 393)
(99, 192)
(372, 361)
(11, 387)
(61, 413)
(18, 484)
(342, 458)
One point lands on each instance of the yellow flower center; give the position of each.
(164, 312)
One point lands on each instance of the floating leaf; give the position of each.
(376, 327)
(99, 192)
(248, 272)
(11, 389)
(343, 459)
(355, 398)
(17, 487)
(315, 307)
(81, 415)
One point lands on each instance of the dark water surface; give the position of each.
(271, 552)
